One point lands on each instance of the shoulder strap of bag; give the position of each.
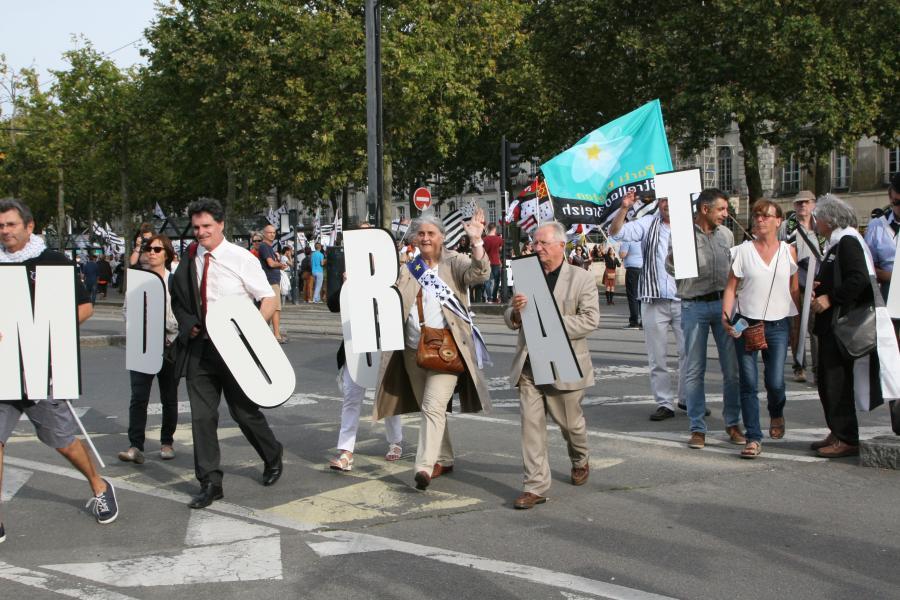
(772, 285)
(419, 306)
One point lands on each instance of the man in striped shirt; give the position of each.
(660, 306)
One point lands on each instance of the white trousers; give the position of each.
(658, 317)
(350, 409)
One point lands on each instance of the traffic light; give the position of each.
(512, 159)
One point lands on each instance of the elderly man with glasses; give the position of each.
(575, 293)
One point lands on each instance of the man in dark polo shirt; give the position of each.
(493, 242)
(52, 419)
(272, 268)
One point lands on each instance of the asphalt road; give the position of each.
(656, 519)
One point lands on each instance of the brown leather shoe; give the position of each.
(697, 441)
(776, 428)
(440, 469)
(838, 449)
(580, 474)
(828, 441)
(528, 500)
(735, 435)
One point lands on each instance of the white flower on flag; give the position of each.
(598, 155)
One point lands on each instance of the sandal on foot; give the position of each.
(776, 428)
(394, 452)
(751, 450)
(343, 462)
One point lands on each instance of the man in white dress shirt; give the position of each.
(217, 269)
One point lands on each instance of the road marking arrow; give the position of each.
(52, 583)
(345, 542)
(226, 550)
(13, 480)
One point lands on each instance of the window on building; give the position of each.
(492, 211)
(725, 169)
(893, 161)
(790, 175)
(840, 171)
(401, 212)
(437, 210)
(452, 206)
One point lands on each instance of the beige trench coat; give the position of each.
(394, 395)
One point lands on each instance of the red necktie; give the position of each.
(206, 257)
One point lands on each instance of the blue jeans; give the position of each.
(492, 285)
(773, 375)
(317, 291)
(697, 318)
(91, 287)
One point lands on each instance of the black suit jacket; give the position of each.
(186, 305)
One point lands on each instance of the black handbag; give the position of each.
(855, 330)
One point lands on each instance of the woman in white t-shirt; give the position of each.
(762, 286)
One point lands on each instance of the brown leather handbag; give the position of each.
(437, 349)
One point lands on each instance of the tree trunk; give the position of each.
(245, 190)
(230, 192)
(822, 173)
(750, 144)
(387, 195)
(60, 210)
(126, 217)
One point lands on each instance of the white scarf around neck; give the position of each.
(32, 249)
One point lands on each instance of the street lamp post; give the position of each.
(375, 132)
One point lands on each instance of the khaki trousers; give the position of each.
(565, 408)
(433, 391)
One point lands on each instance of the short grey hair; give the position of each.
(835, 212)
(8, 204)
(426, 219)
(559, 232)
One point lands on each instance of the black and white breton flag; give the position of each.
(453, 226)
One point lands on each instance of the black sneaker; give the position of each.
(104, 505)
(2, 534)
(632, 326)
(662, 413)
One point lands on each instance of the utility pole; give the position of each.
(60, 210)
(509, 167)
(375, 132)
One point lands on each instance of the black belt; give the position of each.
(710, 297)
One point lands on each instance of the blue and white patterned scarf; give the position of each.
(432, 283)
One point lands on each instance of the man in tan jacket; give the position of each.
(575, 293)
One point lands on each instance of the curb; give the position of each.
(96, 341)
(100, 341)
(882, 452)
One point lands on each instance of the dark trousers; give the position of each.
(492, 286)
(835, 382)
(632, 274)
(141, 383)
(206, 382)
